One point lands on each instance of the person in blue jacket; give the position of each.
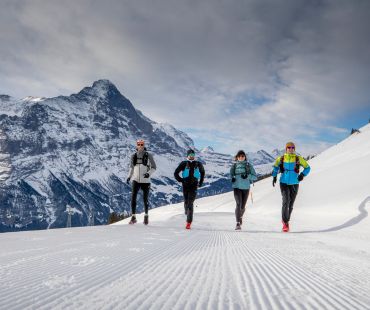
(289, 165)
(242, 175)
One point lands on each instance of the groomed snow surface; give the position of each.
(323, 263)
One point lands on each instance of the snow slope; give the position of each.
(324, 263)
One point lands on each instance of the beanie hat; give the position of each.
(190, 152)
(289, 144)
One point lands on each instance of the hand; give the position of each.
(128, 180)
(244, 176)
(274, 181)
(146, 175)
(200, 184)
(300, 177)
(233, 179)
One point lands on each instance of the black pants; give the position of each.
(135, 189)
(241, 197)
(189, 196)
(289, 193)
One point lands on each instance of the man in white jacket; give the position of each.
(142, 166)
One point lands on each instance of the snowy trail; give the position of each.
(323, 263)
(166, 267)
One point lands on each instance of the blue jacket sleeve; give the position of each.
(305, 165)
(275, 167)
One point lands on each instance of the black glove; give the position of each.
(300, 177)
(274, 181)
(128, 180)
(233, 179)
(146, 175)
(200, 184)
(244, 176)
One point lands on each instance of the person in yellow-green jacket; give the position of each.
(289, 166)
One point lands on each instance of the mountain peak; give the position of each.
(104, 86)
(103, 83)
(208, 149)
(101, 88)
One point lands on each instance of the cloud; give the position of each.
(250, 74)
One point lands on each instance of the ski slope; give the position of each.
(323, 263)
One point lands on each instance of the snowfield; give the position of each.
(323, 263)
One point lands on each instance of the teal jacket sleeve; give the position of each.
(253, 175)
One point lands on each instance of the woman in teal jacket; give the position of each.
(242, 175)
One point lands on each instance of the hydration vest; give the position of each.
(186, 171)
(247, 169)
(296, 167)
(144, 160)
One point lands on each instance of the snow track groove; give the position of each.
(168, 267)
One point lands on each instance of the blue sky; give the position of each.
(245, 74)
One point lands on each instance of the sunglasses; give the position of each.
(291, 147)
(140, 144)
(191, 155)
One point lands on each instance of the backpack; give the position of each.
(296, 167)
(247, 168)
(145, 159)
(186, 171)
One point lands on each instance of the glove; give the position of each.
(200, 184)
(244, 176)
(274, 181)
(233, 179)
(146, 175)
(128, 180)
(300, 177)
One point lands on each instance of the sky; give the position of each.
(235, 74)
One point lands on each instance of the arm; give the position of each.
(131, 169)
(153, 166)
(253, 175)
(181, 167)
(305, 165)
(202, 173)
(232, 171)
(276, 168)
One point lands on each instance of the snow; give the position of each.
(33, 99)
(323, 263)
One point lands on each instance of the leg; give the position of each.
(186, 198)
(286, 202)
(146, 188)
(191, 198)
(245, 194)
(293, 191)
(135, 189)
(238, 200)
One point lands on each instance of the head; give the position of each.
(240, 156)
(190, 154)
(290, 148)
(140, 144)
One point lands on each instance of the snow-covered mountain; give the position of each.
(323, 263)
(260, 157)
(74, 150)
(276, 153)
